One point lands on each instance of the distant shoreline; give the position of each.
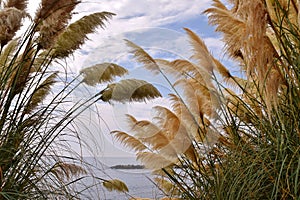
(128, 167)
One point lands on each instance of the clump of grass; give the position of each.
(35, 108)
(234, 137)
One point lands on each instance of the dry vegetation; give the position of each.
(229, 137)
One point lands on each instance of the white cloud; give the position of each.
(135, 17)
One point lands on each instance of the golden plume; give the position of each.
(232, 26)
(10, 23)
(155, 160)
(150, 134)
(55, 22)
(192, 124)
(201, 53)
(48, 7)
(222, 69)
(40, 93)
(199, 98)
(8, 53)
(115, 185)
(169, 188)
(129, 141)
(75, 34)
(184, 68)
(100, 73)
(67, 170)
(129, 90)
(167, 120)
(143, 57)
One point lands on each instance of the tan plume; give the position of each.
(166, 119)
(150, 134)
(8, 53)
(222, 69)
(67, 170)
(48, 7)
(75, 34)
(168, 187)
(143, 57)
(18, 4)
(100, 73)
(40, 93)
(228, 23)
(130, 90)
(55, 22)
(155, 161)
(115, 185)
(10, 23)
(201, 53)
(129, 141)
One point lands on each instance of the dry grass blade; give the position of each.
(130, 90)
(115, 185)
(75, 34)
(100, 73)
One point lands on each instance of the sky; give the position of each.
(155, 25)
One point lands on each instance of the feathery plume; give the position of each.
(115, 185)
(227, 22)
(18, 4)
(129, 141)
(129, 90)
(150, 134)
(48, 7)
(167, 120)
(40, 93)
(75, 34)
(169, 188)
(143, 57)
(55, 22)
(201, 53)
(10, 23)
(67, 170)
(154, 161)
(7, 54)
(222, 69)
(100, 73)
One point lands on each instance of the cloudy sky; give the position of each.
(155, 25)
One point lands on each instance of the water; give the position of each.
(138, 181)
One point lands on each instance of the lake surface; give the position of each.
(138, 181)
